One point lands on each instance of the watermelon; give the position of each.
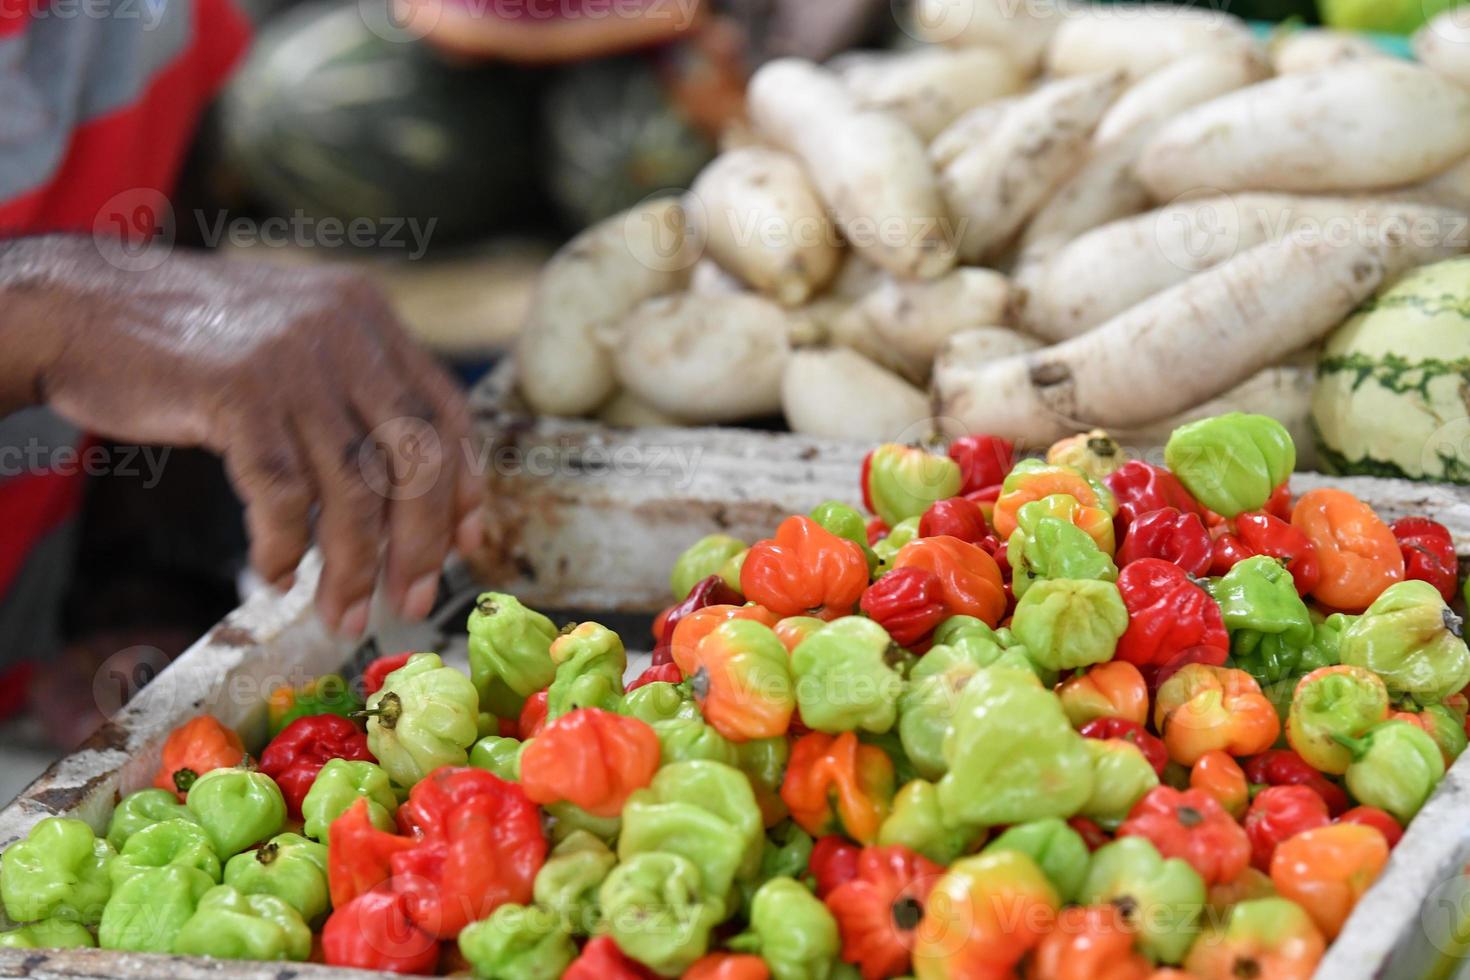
(1393, 383)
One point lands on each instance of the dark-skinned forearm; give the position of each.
(38, 313)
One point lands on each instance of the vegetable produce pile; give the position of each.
(1053, 214)
(1061, 718)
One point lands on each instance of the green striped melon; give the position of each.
(1393, 384)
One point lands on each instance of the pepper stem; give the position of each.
(184, 780)
(388, 711)
(699, 683)
(1357, 746)
(1188, 816)
(907, 913)
(268, 852)
(1454, 623)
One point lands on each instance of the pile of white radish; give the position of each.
(1051, 216)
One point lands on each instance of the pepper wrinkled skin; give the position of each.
(1357, 553)
(1121, 777)
(1114, 689)
(837, 783)
(656, 907)
(1260, 533)
(169, 842)
(1203, 708)
(1095, 453)
(567, 883)
(1279, 813)
(792, 930)
(1161, 897)
(1327, 869)
(237, 808)
(287, 866)
(1192, 825)
(1331, 702)
(1057, 849)
(900, 482)
(879, 909)
(983, 916)
(741, 676)
(1411, 639)
(590, 664)
(296, 755)
(48, 934)
(926, 708)
(1169, 615)
(147, 910)
(229, 925)
(700, 560)
(1429, 553)
(969, 578)
(1032, 479)
(1265, 937)
(143, 809)
(1269, 625)
(591, 758)
(1048, 544)
(1070, 623)
(805, 570)
(518, 942)
(843, 678)
(194, 748)
(341, 783)
(425, 716)
(907, 602)
(374, 932)
(1169, 534)
(1232, 462)
(1012, 755)
(917, 823)
(510, 652)
(1395, 767)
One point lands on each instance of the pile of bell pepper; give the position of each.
(1066, 717)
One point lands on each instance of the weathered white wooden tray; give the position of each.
(587, 518)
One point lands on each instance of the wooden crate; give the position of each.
(588, 518)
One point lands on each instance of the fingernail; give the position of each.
(418, 602)
(354, 621)
(471, 530)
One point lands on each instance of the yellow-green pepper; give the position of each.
(590, 663)
(1411, 639)
(236, 808)
(518, 943)
(917, 822)
(287, 866)
(510, 652)
(1058, 850)
(425, 716)
(656, 907)
(702, 559)
(143, 809)
(1231, 463)
(567, 883)
(60, 871)
(844, 681)
(339, 784)
(168, 842)
(1069, 623)
(48, 934)
(230, 926)
(147, 910)
(792, 930)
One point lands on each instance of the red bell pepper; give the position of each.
(1129, 731)
(728, 966)
(713, 591)
(1279, 503)
(377, 672)
(1379, 820)
(1169, 615)
(1429, 553)
(668, 673)
(1092, 835)
(602, 960)
(805, 570)
(591, 758)
(1260, 533)
(877, 531)
(907, 602)
(374, 932)
(984, 461)
(294, 757)
(1283, 767)
(1169, 534)
(1140, 487)
(359, 855)
(1277, 813)
(533, 716)
(956, 517)
(479, 846)
(1192, 825)
(878, 911)
(968, 577)
(834, 861)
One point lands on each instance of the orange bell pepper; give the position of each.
(805, 570)
(1358, 555)
(728, 966)
(827, 770)
(1093, 942)
(1036, 481)
(793, 629)
(1326, 870)
(1267, 938)
(983, 917)
(1249, 885)
(742, 680)
(969, 578)
(193, 749)
(1115, 689)
(693, 628)
(1203, 708)
(1217, 774)
(592, 758)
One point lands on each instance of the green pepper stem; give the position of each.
(388, 711)
(268, 852)
(1454, 623)
(184, 780)
(1357, 746)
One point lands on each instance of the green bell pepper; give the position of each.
(1268, 623)
(1343, 701)
(888, 547)
(660, 701)
(1047, 545)
(901, 482)
(425, 716)
(1162, 898)
(683, 739)
(704, 811)
(147, 910)
(1411, 639)
(1069, 623)
(1011, 753)
(916, 822)
(763, 760)
(566, 819)
(229, 925)
(143, 809)
(567, 883)
(287, 866)
(1231, 463)
(236, 808)
(510, 652)
(730, 571)
(168, 842)
(786, 853)
(1058, 850)
(1121, 776)
(1395, 767)
(844, 681)
(792, 930)
(1447, 728)
(499, 755)
(1325, 648)
(847, 523)
(48, 934)
(702, 559)
(590, 663)
(518, 943)
(926, 708)
(339, 784)
(60, 871)
(656, 907)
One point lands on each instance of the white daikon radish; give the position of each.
(762, 221)
(1164, 93)
(1139, 37)
(1356, 126)
(868, 167)
(1443, 45)
(1450, 189)
(1109, 269)
(1169, 353)
(627, 411)
(981, 345)
(837, 393)
(709, 278)
(1020, 29)
(929, 88)
(712, 358)
(1314, 48)
(1035, 141)
(596, 279)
